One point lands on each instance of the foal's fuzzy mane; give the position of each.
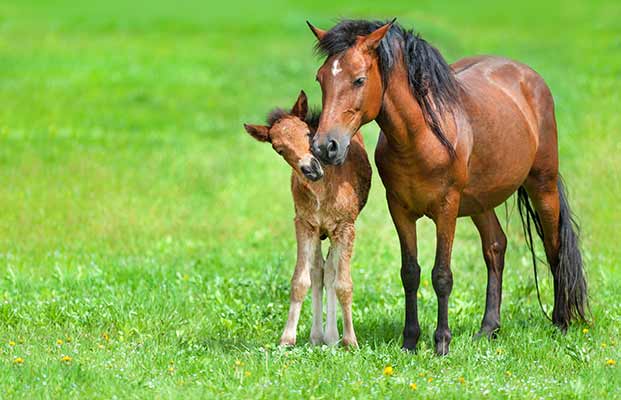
(431, 80)
(312, 117)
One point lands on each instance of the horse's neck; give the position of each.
(401, 117)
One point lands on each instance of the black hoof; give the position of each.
(442, 339)
(442, 348)
(486, 332)
(409, 344)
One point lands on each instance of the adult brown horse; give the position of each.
(456, 141)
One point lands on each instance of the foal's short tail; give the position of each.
(570, 287)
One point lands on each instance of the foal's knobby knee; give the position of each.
(344, 290)
(299, 288)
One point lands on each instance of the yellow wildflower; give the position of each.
(604, 345)
(239, 363)
(585, 330)
(105, 336)
(68, 340)
(611, 362)
(461, 380)
(247, 374)
(18, 360)
(508, 373)
(101, 346)
(430, 380)
(66, 359)
(11, 343)
(171, 369)
(421, 374)
(59, 342)
(413, 386)
(388, 371)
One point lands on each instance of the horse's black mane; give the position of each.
(432, 81)
(312, 117)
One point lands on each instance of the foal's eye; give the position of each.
(360, 81)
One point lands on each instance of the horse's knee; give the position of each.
(410, 276)
(442, 279)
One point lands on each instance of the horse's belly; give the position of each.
(493, 177)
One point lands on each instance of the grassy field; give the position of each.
(146, 242)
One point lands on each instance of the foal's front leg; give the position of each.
(308, 245)
(445, 219)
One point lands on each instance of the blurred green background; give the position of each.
(134, 206)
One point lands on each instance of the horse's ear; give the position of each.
(259, 132)
(319, 33)
(373, 39)
(300, 108)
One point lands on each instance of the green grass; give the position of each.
(141, 226)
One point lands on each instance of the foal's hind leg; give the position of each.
(494, 243)
(337, 278)
(316, 273)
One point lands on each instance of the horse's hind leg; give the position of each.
(494, 244)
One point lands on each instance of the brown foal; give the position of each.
(455, 141)
(323, 208)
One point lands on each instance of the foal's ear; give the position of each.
(300, 108)
(373, 39)
(259, 132)
(319, 33)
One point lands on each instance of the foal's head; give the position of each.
(351, 83)
(290, 134)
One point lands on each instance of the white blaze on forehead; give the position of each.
(336, 68)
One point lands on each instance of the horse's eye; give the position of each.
(360, 81)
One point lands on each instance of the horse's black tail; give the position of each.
(570, 287)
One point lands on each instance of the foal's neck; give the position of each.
(314, 190)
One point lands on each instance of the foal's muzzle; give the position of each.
(312, 170)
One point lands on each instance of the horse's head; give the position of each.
(290, 137)
(351, 84)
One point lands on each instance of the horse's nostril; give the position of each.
(306, 169)
(332, 148)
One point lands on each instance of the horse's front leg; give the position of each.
(405, 223)
(445, 218)
(308, 244)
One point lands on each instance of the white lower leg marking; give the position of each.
(289, 334)
(316, 335)
(332, 334)
(299, 285)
